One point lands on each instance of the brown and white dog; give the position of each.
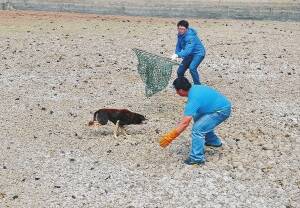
(120, 117)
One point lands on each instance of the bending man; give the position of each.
(208, 108)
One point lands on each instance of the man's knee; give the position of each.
(198, 132)
(193, 70)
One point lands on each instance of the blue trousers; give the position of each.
(192, 62)
(203, 132)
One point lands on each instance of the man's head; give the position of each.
(182, 86)
(182, 26)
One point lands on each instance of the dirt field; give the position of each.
(57, 69)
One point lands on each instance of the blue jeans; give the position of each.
(192, 62)
(203, 132)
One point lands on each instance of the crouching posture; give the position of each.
(208, 108)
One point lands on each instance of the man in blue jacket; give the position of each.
(190, 49)
(208, 108)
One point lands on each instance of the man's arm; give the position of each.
(169, 137)
(178, 47)
(188, 48)
(185, 122)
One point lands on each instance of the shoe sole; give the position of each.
(211, 145)
(200, 163)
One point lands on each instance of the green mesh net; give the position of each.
(154, 70)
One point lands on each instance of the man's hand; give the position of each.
(168, 138)
(174, 57)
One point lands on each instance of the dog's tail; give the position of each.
(91, 123)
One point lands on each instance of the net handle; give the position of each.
(167, 59)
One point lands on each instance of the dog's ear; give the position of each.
(137, 118)
(102, 117)
(141, 117)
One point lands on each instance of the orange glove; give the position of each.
(168, 138)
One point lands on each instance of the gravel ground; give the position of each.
(57, 69)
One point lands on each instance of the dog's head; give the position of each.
(138, 118)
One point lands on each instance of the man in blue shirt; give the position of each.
(208, 108)
(190, 48)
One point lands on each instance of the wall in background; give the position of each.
(288, 10)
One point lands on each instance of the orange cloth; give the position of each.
(168, 138)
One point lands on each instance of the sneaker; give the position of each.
(191, 162)
(213, 145)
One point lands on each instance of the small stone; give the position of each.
(2, 195)
(266, 169)
(236, 139)
(15, 197)
(232, 175)
(267, 147)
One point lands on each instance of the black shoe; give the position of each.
(213, 145)
(191, 162)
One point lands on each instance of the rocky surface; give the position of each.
(57, 69)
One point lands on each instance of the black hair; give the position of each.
(183, 23)
(182, 83)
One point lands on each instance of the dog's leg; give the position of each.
(116, 132)
(123, 130)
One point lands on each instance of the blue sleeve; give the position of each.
(191, 42)
(178, 47)
(190, 109)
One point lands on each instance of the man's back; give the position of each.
(204, 100)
